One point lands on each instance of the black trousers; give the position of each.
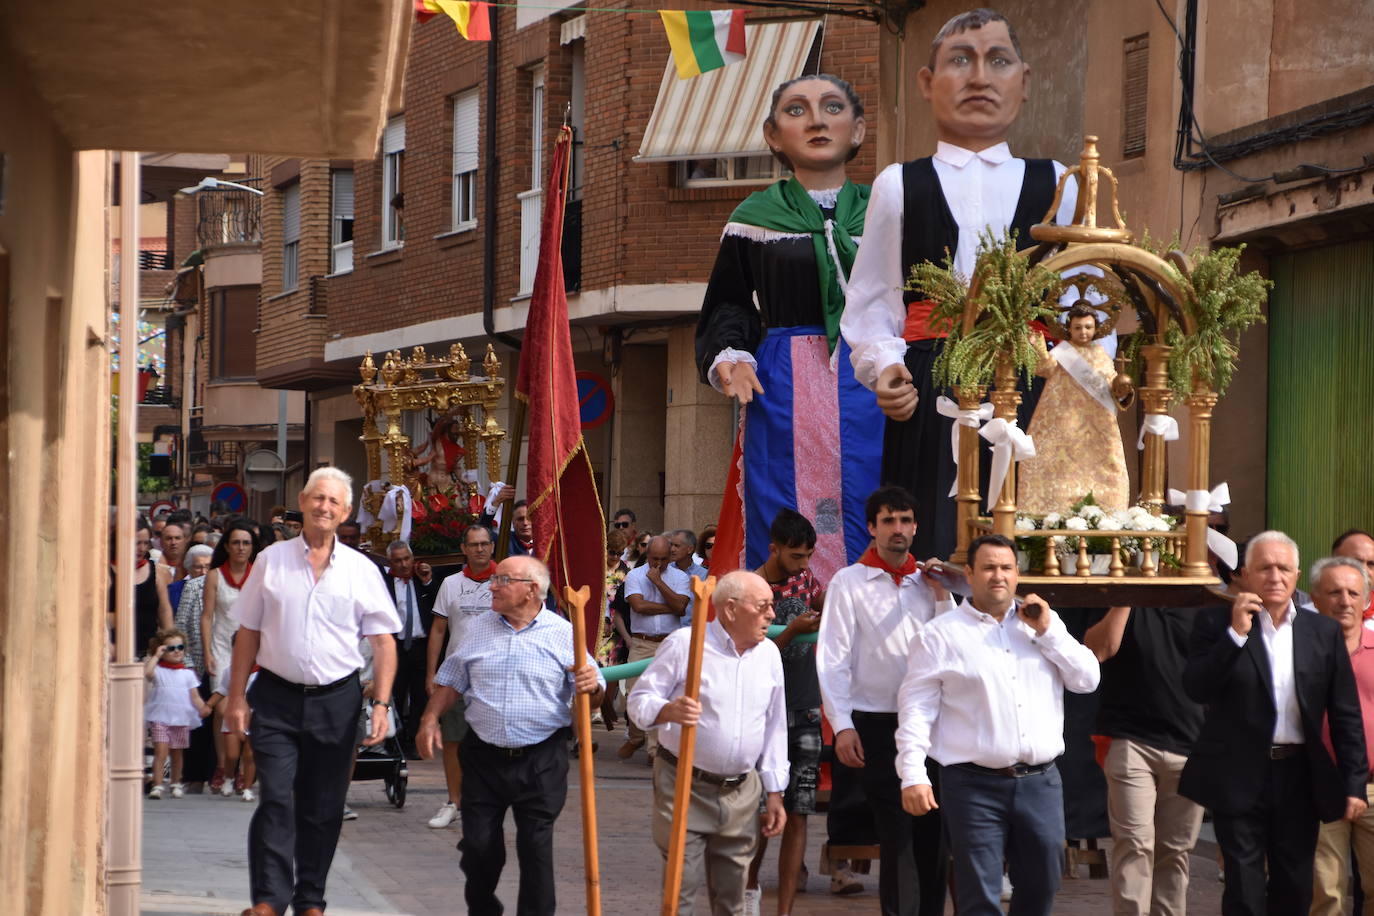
(917, 456)
(533, 782)
(409, 692)
(199, 765)
(913, 860)
(1281, 832)
(303, 744)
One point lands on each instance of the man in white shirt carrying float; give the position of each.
(741, 740)
(919, 211)
(873, 609)
(983, 696)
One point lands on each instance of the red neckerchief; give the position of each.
(229, 577)
(162, 664)
(1369, 611)
(479, 577)
(871, 558)
(141, 563)
(256, 669)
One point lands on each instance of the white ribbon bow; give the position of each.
(948, 407)
(1160, 424)
(388, 511)
(1009, 443)
(1214, 500)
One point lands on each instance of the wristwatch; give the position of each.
(380, 703)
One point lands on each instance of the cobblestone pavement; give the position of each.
(389, 861)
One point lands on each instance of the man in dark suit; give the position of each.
(414, 587)
(1269, 675)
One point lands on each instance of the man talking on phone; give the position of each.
(983, 696)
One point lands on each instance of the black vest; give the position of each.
(929, 229)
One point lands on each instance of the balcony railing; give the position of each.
(155, 259)
(160, 396)
(227, 216)
(216, 455)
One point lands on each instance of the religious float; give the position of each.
(430, 493)
(1190, 307)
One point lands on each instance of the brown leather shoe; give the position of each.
(312, 911)
(260, 909)
(627, 750)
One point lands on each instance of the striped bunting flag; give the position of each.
(704, 40)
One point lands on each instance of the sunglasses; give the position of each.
(621, 524)
(179, 647)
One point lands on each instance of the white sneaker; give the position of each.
(248, 795)
(178, 790)
(448, 813)
(227, 790)
(349, 814)
(1006, 889)
(752, 899)
(155, 792)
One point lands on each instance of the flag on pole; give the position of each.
(473, 19)
(704, 40)
(565, 511)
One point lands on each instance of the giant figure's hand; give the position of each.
(896, 394)
(738, 381)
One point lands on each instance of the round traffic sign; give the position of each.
(161, 507)
(231, 495)
(595, 402)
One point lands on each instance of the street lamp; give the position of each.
(214, 184)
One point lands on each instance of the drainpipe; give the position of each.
(490, 204)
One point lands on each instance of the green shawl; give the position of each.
(786, 207)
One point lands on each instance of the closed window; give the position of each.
(700, 173)
(393, 203)
(465, 140)
(1135, 95)
(290, 236)
(341, 221)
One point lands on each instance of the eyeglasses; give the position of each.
(760, 605)
(621, 524)
(503, 581)
(179, 647)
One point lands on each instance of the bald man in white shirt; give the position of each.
(921, 210)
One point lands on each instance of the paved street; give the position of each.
(194, 859)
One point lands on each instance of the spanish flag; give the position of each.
(704, 39)
(473, 19)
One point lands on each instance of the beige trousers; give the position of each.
(640, 649)
(722, 835)
(1331, 868)
(1153, 830)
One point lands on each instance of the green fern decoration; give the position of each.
(1011, 294)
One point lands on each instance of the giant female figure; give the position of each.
(768, 336)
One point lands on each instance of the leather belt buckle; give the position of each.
(1284, 751)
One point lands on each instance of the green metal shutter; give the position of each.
(1321, 395)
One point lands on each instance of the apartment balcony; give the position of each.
(227, 217)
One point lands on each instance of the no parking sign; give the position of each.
(595, 402)
(231, 495)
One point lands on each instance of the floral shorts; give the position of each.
(177, 737)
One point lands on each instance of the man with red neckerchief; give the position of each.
(461, 599)
(873, 609)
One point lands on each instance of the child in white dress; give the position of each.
(237, 750)
(173, 705)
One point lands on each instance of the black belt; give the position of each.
(715, 779)
(1284, 751)
(1015, 771)
(513, 752)
(655, 638)
(307, 688)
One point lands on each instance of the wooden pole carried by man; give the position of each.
(586, 767)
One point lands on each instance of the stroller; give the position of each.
(385, 761)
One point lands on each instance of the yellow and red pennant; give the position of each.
(473, 19)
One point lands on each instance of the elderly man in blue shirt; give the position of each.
(514, 677)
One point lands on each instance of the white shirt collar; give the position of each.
(1287, 621)
(959, 157)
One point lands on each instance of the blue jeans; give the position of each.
(989, 816)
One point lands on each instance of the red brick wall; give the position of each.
(637, 227)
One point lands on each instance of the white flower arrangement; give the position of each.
(1085, 515)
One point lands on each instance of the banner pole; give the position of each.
(582, 724)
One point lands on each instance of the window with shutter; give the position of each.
(290, 236)
(393, 157)
(1135, 92)
(466, 137)
(341, 221)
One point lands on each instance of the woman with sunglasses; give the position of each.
(173, 706)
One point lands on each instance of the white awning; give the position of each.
(721, 112)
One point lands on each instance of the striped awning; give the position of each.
(720, 113)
